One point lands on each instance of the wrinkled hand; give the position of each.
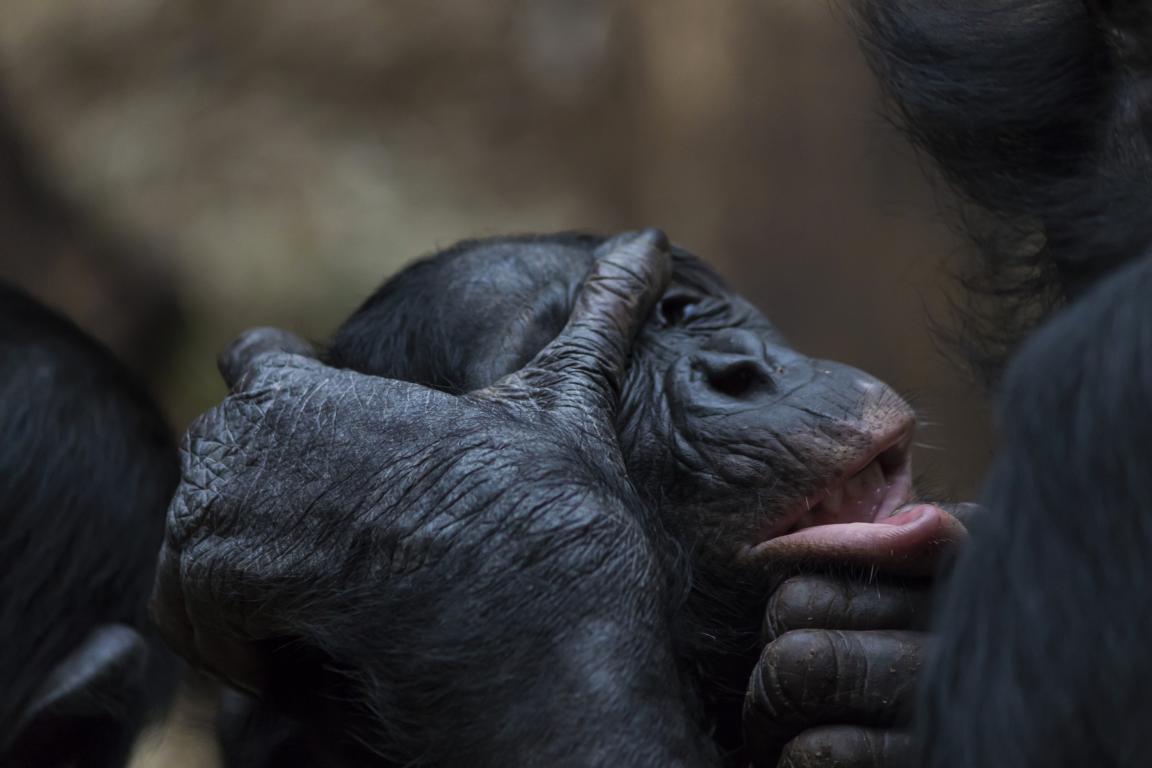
(836, 681)
(375, 520)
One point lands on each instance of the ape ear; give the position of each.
(89, 707)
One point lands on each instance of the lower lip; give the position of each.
(909, 515)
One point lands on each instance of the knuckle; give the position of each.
(779, 615)
(848, 747)
(810, 749)
(965, 512)
(808, 650)
(802, 602)
(257, 342)
(794, 672)
(639, 257)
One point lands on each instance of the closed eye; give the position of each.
(676, 309)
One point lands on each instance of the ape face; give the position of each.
(736, 438)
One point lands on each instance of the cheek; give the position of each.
(646, 453)
(645, 430)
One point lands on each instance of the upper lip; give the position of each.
(890, 454)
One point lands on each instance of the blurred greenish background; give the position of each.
(173, 171)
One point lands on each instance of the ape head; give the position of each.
(734, 437)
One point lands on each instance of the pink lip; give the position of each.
(873, 488)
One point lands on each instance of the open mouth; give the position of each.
(872, 489)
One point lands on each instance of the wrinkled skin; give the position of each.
(448, 579)
(836, 680)
(469, 578)
(735, 439)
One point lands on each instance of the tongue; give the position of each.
(909, 541)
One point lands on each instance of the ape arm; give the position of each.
(1042, 655)
(1036, 112)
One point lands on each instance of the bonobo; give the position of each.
(467, 574)
(753, 454)
(87, 467)
(1039, 112)
(734, 437)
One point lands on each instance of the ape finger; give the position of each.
(242, 353)
(815, 677)
(175, 614)
(965, 512)
(846, 746)
(591, 353)
(820, 601)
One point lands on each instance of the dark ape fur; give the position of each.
(726, 432)
(87, 467)
(415, 345)
(1037, 111)
(1043, 657)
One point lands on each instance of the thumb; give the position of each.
(241, 355)
(590, 355)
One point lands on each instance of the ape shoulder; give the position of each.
(87, 467)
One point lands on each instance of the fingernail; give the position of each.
(908, 516)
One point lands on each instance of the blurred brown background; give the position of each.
(172, 171)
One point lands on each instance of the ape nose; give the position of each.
(735, 363)
(735, 376)
(736, 341)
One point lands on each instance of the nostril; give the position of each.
(736, 377)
